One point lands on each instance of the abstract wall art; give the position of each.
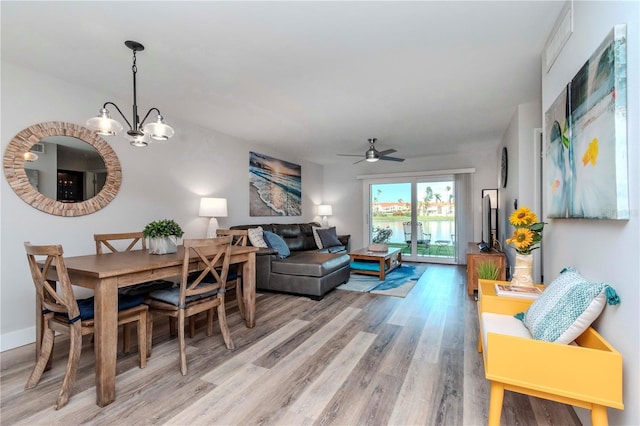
(586, 138)
(275, 187)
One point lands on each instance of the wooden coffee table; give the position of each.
(377, 263)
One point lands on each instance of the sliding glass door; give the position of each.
(416, 215)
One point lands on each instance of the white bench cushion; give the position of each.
(502, 324)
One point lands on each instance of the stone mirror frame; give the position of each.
(14, 170)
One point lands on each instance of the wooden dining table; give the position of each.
(106, 273)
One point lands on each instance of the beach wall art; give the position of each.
(275, 187)
(586, 138)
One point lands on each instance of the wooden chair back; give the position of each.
(240, 236)
(210, 251)
(63, 300)
(106, 239)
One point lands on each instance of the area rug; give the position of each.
(398, 282)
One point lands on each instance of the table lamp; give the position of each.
(325, 210)
(213, 208)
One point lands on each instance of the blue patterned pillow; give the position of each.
(567, 307)
(276, 242)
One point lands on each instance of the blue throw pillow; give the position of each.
(276, 242)
(567, 307)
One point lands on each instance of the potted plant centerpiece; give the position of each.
(163, 236)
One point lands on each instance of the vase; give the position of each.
(522, 271)
(163, 245)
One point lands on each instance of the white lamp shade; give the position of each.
(325, 210)
(213, 207)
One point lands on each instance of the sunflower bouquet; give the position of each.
(528, 232)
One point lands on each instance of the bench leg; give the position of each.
(495, 403)
(599, 415)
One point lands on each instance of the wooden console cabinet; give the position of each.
(475, 256)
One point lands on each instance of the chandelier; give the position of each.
(139, 134)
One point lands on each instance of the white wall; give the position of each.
(164, 180)
(519, 140)
(605, 250)
(344, 191)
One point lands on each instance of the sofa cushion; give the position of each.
(329, 237)
(316, 236)
(256, 237)
(277, 243)
(310, 264)
(567, 307)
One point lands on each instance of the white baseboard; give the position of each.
(17, 338)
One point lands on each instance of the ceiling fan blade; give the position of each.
(386, 151)
(359, 161)
(383, 157)
(350, 155)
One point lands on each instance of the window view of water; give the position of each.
(440, 230)
(391, 211)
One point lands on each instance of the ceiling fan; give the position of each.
(372, 154)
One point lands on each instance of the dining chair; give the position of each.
(63, 313)
(197, 294)
(114, 243)
(234, 277)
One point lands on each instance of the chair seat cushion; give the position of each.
(124, 302)
(172, 295)
(145, 288)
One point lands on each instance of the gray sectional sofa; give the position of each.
(307, 270)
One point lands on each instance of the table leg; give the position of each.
(106, 340)
(249, 289)
(382, 271)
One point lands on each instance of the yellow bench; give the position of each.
(586, 374)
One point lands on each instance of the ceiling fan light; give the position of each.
(371, 155)
(159, 130)
(103, 124)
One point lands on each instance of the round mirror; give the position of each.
(62, 169)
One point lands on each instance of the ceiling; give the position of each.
(310, 78)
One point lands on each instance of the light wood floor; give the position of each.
(349, 359)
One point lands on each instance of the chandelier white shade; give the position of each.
(139, 134)
(213, 208)
(103, 124)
